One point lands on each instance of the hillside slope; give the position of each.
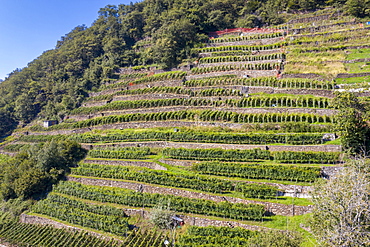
(235, 138)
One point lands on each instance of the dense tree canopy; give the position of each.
(34, 170)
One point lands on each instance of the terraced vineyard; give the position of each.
(237, 140)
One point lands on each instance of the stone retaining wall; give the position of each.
(320, 28)
(261, 52)
(165, 144)
(150, 165)
(273, 208)
(206, 65)
(330, 171)
(94, 103)
(314, 18)
(143, 125)
(149, 96)
(266, 41)
(251, 73)
(172, 162)
(298, 91)
(350, 75)
(167, 83)
(7, 153)
(303, 75)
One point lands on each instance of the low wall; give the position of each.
(149, 96)
(261, 52)
(331, 171)
(251, 73)
(303, 75)
(314, 18)
(298, 91)
(206, 65)
(193, 145)
(143, 125)
(273, 208)
(266, 41)
(150, 165)
(167, 83)
(350, 75)
(8, 153)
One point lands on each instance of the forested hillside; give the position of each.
(193, 123)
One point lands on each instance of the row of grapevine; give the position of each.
(202, 137)
(262, 82)
(15, 147)
(223, 59)
(280, 101)
(207, 115)
(120, 153)
(171, 90)
(217, 154)
(86, 215)
(295, 128)
(259, 171)
(227, 116)
(21, 234)
(230, 53)
(167, 178)
(215, 236)
(171, 75)
(245, 37)
(134, 117)
(177, 203)
(252, 155)
(240, 47)
(306, 157)
(132, 76)
(253, 101)
(249, 66)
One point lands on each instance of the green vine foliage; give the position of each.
(177, 203)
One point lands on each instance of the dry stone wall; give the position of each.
(252, 42)
(150, 165)
(273, 208)
(250, 73)
(165, 144)
(331, 171)
(143, 125)
(315, 18)
(167, 83)
(206, 65)
(260, 52)
(351, 75)
(303, 75)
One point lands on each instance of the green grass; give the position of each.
(358, 54)
(4, 158)
(106, 234)
(352, 80)
(292, 223)
(361, 67)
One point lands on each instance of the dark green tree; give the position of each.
(350, 123)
